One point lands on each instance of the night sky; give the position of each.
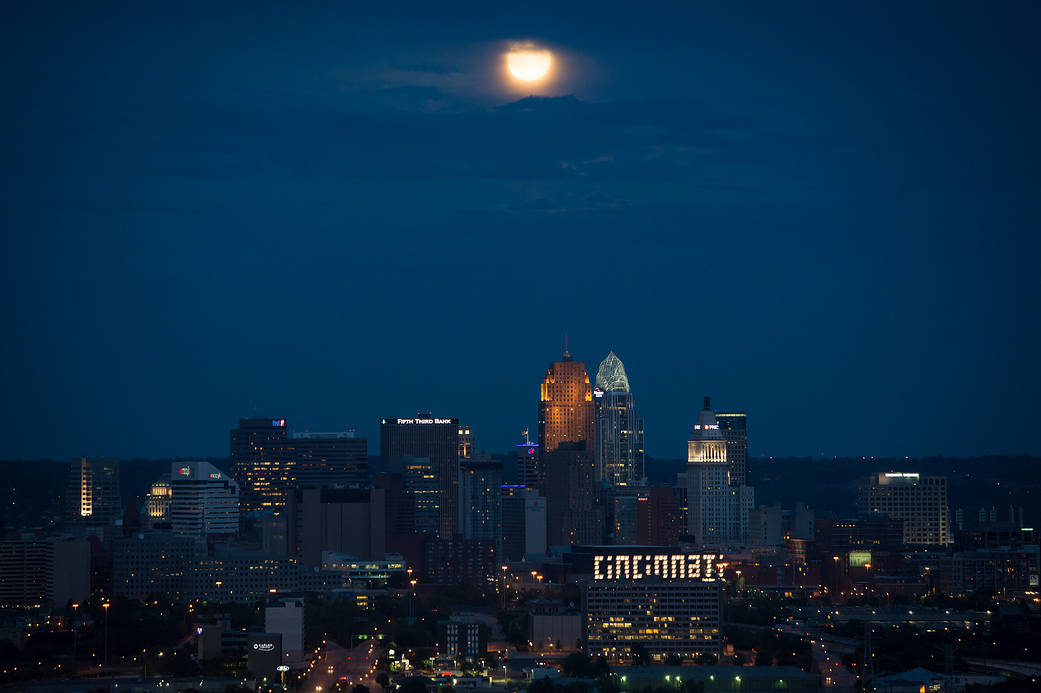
(826, 215)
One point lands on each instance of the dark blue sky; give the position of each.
(826, 215)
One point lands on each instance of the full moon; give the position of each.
(529, 64)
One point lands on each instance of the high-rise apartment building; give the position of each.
(92, 495)
(338, 459)
(717, 510)
(573, 511)
(436, 439)
(204, 502)
(734, 427)
(480, 499)
(260, 463)
(920, 502)
(565, 406)
(618, 428)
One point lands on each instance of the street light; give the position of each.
(412, 602)
(105, 607)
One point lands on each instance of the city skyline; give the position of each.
(808, 213)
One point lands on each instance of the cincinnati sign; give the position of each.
(706, 567)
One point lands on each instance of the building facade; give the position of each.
(204, 502)
(574, 514)
(260, 463)
(717, 510)
(669, 603)
(734, 427)
(92, 495)
(523, 522)
(920, 502)
(618, 428)
(338, 459)
(480, 499)
(565, 406)
(436, 439)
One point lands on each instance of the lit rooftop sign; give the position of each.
(405, 422)
(707, 567)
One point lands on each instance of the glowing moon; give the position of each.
(529, 64)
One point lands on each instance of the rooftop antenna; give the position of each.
(566, 354)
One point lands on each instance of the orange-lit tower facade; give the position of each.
(565, 406)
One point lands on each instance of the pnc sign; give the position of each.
(706, 567)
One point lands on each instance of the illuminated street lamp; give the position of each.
(105, 606)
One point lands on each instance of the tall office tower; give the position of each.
(565, 406)
(480, 499)
(204, 502)
(260, 464)
(92, 495)
(618, 430)
(466, 443)
(734, 427)
(573, 511)
(437, 440)
(920, 502)
(523, 522)
(420, 483)
(158, 501)
(529, 468)
(717, 511)
(335, 460)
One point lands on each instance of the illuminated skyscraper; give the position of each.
(717, 510)
(619, 431)
(437, 440)
(92, 496)
(565, 406)
(260, 463)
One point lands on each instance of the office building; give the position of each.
(480, 499)
(338, 459)
(529, 466)
(456, 561)
(573, 511)
(204, 502)
(920, 502)
(717, 511)
(261, 465)
(421, 487)
(523, 522)
(436, 439)
(152, 563)
(37, 572)
(618, 428)
(565, 406)
(669, 603)
(92, 495)
(349, 521)
(286, 618)
(462, 636)
(158, 501)
(624, 521)
(734, 427)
